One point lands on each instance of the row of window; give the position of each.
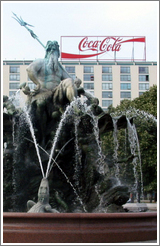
(90, 77)
(90, 86)
(123, 94)
(109, 86)
(89, 73)
(16, 77)
(106, 69)
(107, 103)
(89, 69)
(108, 77)
(15, 86)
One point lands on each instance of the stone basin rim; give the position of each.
(79, 227)
(79, 215)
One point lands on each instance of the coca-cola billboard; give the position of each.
(103, 48)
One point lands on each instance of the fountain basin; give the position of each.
(79, 227)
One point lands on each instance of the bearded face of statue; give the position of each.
(43, 192)
(52, 54)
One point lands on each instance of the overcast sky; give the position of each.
(53, 19)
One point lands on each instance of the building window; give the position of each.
(106, 77)
(141, 93)
(125, 86)
(14, 93)
(14, 86)
(88, 77)
(143, 86)
(88, 86)
(107, 86)
(14, 69)
(88, 69)
(106, 69)
(16, 99)
(143, 77)
(106, 103)
(106, 94)
(125, 78)
(125, 94)
(143, 70)
(70, 69)
(91, 92)
(14, 77)
(73, 76)
(31, 85)
(125, 69)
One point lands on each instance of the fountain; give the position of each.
(54, 142)
(74, 165)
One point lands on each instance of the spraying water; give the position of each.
(145, 115)
(133, 112)
(15, 98)
(13, 131)
(134, 144)
(78, 156)
(26, 111)
(72, 109)
(115, 155)
(57, 134)
(94, 121)
(140, 162)
(34, 139)
(68, 181)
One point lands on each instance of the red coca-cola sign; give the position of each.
(97, 45)
(93, 47)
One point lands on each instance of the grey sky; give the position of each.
(54, 19)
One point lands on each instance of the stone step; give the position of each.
(140, 207)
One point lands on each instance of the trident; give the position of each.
(25, 24)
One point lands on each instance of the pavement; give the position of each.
(141, 207)
(150, 241)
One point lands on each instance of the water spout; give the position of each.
(134, 146)
(115, 155)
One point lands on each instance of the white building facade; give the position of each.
(109, 81)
